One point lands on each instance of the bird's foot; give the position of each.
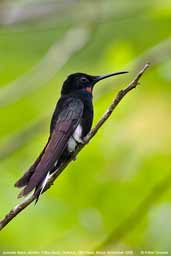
(74, 158)
(80, 140)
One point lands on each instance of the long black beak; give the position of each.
(98, 78)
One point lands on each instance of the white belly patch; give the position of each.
(75, 139)
(71, 144)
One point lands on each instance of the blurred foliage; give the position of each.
(128, 156)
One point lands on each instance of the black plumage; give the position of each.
(71, 121)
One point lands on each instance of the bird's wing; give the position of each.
(67, 121)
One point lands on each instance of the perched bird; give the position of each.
(71, 122)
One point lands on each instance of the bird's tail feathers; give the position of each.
(23, 181)
(39, 189)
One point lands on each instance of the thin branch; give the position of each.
(137, 215)
(17, 209)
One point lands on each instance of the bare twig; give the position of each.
(17, 209)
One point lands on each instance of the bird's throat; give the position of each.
(88, 89)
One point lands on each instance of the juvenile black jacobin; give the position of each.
(71, 122)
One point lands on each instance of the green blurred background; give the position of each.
(41, 42)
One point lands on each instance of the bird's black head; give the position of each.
(82, 81)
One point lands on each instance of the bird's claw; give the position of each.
(74, 158)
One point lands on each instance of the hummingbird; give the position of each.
(70, 123)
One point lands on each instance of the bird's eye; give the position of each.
(83, 80)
